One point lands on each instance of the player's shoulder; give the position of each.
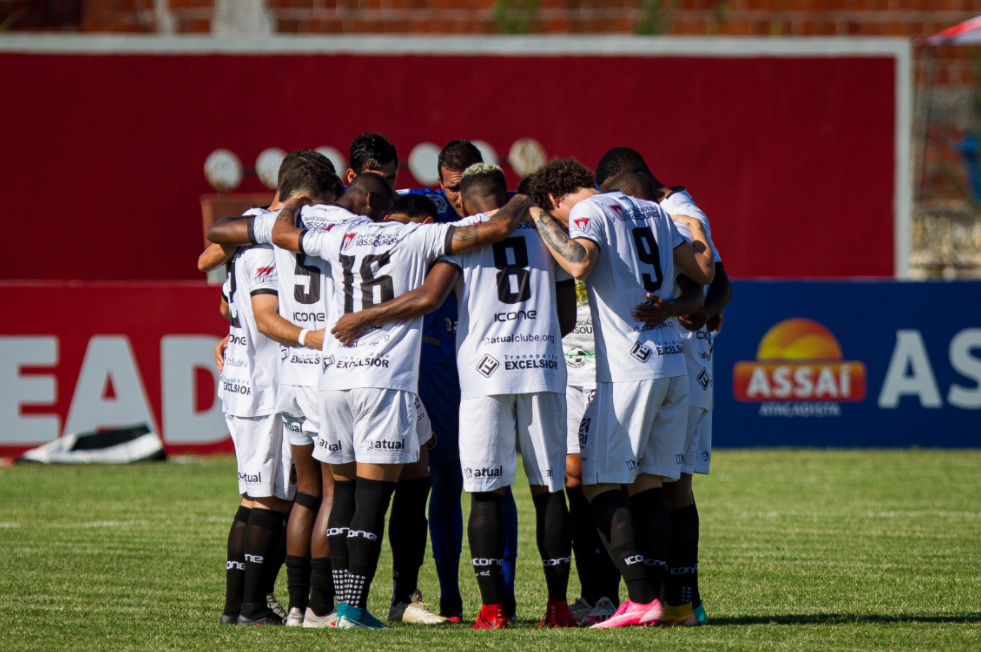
(680, 201)
(256, 211)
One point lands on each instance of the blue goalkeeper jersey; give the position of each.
(439, 326)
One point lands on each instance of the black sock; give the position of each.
(616, 528)
(586, 543)
(298, 581)
(261, 534)
(277, 554)
(364, 538)
(681, 581)
(485, 532)
(407, 532)
(338, 523)
(554, 536)
(653, 527)
(321, 586)
(235, 564)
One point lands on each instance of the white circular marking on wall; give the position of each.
(267, 166)
(223, 170)
(488, 153)
(526, 156)
(335, 157)
(423, 161)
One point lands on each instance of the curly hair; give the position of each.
(370, 151)
(560, 177)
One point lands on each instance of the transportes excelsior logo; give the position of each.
(799, 365)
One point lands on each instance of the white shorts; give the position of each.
(634, 427)
(265, 460)
(371, 425)
(696, 416)
(494, 428)
(576, 398)
(298, 406)
(703, 457)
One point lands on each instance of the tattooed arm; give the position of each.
(498, 227)
(285, 234)
(578, 257)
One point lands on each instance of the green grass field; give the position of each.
(801, 549)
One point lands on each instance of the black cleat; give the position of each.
(228, 620)
(269, 619)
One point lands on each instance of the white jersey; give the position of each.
(698, 344)
(304, 289)
(637, 241)
(507, 337)
(580, 345)
(371, 263)
(250, 374)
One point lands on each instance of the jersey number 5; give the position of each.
(511, 259)
(647, 252)
(312, 292)
(369, 281)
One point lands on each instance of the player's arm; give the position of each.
(220, 352)
(657, 310)
(565, 302)
(234, 231)
(719, 293)
(577, 257)
(499, 226)
(214, 256)
(224, 310)
(429, 296)
(265, 307)
(696, 260)
(285, 233)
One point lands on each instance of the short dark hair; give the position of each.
(484, 180)
(310, 178)
(559, 177)
(457, 156)
(364, 183)
(299, 157)
(617, 161)
(635, 184)
(526, 185)
(416, 207)
(370, 151)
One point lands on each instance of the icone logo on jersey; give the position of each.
(799, 360)
(264, 273)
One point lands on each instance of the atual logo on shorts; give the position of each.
(327, 362)
(385, 445)
(483, 472)
(641, 351)
(631, 465)
(487, 365)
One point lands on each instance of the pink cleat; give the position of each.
(634, 614)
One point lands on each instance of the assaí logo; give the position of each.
(799, 371)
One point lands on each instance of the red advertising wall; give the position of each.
(110, 354)
(792, 157)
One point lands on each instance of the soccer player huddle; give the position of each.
(385, 345)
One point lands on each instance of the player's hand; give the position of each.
(715, 323)
(694, 321)
(315, 339)
(348, 328)
(220, 353)
(654, 312)
(296, 203)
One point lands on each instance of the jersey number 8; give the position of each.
(511, 259)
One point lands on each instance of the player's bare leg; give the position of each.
(598, 576)
(553, 532)
(235, 563)
(299, 531)
(321, 611)
(407, 530)
(681, 583)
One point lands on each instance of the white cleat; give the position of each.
(311, 619)
(274, 606)
(580, 609)
(294, 618)
(601, 612)
(415, 612)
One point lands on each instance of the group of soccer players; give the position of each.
(386, 344)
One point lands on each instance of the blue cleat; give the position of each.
(349, 617)
(700, 614)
